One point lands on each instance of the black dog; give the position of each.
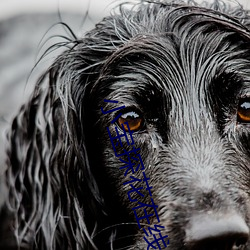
(183, 74)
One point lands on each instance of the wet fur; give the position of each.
(184, 68)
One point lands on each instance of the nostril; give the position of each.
(217, 232)
(241, 241)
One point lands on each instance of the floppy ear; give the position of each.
(53, 196)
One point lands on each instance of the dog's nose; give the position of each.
(217, 232)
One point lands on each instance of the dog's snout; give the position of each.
(224, 232)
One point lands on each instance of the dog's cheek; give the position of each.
(119, 175)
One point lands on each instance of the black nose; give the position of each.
(217, 232)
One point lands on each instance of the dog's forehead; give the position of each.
(188, 53)
(167, 66)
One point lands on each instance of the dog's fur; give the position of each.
(184, 69)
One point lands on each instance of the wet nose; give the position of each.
(217, 232)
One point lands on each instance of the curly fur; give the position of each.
(184, 66)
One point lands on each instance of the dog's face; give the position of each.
(183, 75)
(185, 84)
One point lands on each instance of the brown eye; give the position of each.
(243, 113)
(133, 119)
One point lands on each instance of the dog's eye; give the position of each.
(134, 120)
(243, 113)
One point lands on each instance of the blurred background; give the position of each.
(25, 29)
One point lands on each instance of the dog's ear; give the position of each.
(52, 191)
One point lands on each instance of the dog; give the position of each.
(167, 83)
